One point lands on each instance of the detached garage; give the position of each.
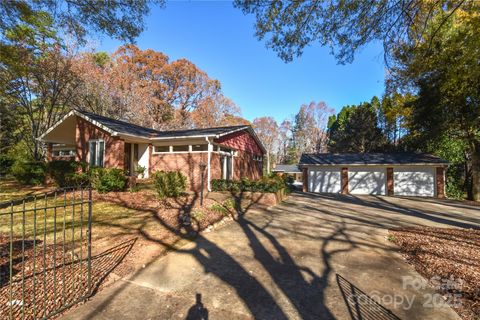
(401, 174)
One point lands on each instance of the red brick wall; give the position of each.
(215, 166)
(114, 146)
(440, 182)
(187, 163)
(241, 140)
(246, 147)
(390, 184)
(245, 166)
(344, 180)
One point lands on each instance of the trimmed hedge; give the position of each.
(169, 183)
(265, 185)
(107, 179)
(29, 172)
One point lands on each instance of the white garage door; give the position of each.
(366, 180)
(324, 180)
(414, 181)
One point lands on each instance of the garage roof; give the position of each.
(403, 158)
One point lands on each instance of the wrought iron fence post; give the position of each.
(89, 248)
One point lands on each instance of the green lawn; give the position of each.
(116, 217)
(110, 221)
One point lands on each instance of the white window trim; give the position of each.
(170, 150)
(96, 147)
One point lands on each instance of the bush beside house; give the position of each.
(267, 191)
(169, 183)
(107, 179)
(264, 185)
(29, 172)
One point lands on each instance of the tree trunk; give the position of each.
(476, 172)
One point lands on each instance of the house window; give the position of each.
(226, 166)
(96, 149)
(161, 149)
(63, 153)
(199, 147)
(184, 148)
(222, 149)
(257, 158)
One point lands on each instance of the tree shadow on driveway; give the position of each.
(302, 288)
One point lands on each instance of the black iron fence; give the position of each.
(45, 253)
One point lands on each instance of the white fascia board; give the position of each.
(181, 137)
(232, 131)
(98, 124)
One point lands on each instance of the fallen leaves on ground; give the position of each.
(446, 253)
(139, 229)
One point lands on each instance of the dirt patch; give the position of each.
(450, 259)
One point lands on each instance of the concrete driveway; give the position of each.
(311, 257)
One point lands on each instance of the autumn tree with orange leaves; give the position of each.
(145, 87)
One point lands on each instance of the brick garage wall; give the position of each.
(187, 163)
(245, 166)
(114, 146)
(440, 180)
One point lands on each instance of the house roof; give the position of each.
(216, 131)
(124, 127)
(119, 127)
(288, 168)
(403, 158)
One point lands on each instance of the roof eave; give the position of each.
(377, 164)
(182, 137)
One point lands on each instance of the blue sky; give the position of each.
(220, 40)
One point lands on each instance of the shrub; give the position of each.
(61, 171)
(265, 184)
(29, 172)
(107, 179)
(6, 163)
(199, 215)
(169, 184)
(217, 207)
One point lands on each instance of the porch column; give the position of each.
(440, 179)
(150, 152)
(390, 190)
(209, 156)
(344, 180)
(305, 179)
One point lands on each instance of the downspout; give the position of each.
(209, 148)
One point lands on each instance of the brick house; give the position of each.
(229, 152)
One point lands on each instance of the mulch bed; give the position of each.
(450, 259)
